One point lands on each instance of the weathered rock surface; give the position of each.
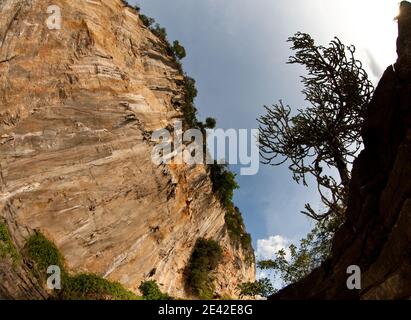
(76, 109)
(377, 234)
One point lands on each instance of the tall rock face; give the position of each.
(377, 234)
(77, 106)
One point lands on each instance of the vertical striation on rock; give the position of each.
(377, 234)
(77, 106)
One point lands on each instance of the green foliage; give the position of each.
(300, 261)
(43, 252)
(236, 229)
(147, 21)
(262, 287)
(210, 123)
(135, 7)
(160, 32)
(189, 110)
(179, 50)
(151, 291)
(78, 287)
(7, 248)
(224, 183)
(205, 257)
(322, 138)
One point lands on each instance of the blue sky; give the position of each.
(237, 52)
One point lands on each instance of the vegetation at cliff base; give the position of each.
(7, 248)
(73, 287)
(204, 259)
(151, 291)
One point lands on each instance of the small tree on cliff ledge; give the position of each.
(318, 141)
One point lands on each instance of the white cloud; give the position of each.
(267, 248)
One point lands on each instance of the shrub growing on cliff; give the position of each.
(147, 21)
(151, 291)
(205, 257)
(160, 32)
(236, 229)
(178, 50)
(189, 110)
(224, 183)
(210, 123)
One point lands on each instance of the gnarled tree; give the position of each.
(326, 134)
(318, 142)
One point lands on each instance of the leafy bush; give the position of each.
(151, 291)
(178, 50)
(224, 183)
(7, 248)
(235, 225)
(210, 123)
(160, 32)
(305, 258)
(205, 257)
(78, 287)
(189, 110)
(43, 252)
(147, 21)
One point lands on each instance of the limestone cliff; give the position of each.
(77, 106)
(377, 234)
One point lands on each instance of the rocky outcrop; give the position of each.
(377, 234)
(77, 106)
